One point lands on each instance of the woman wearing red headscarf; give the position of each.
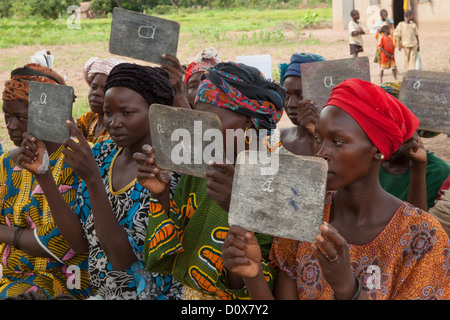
(372, 245)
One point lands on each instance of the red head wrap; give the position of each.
(386, 121)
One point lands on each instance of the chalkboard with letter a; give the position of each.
(49, 107)
(143, 37)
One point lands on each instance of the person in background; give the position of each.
(35, 257)
(91, 123)
(371, 245)
(387, 53)
(296, 139)
(355, 30)
(408, 36)
(206, 59)
(385, 21)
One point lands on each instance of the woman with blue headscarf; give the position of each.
(295, 139)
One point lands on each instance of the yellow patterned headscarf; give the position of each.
(17, 88)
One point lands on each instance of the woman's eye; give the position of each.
(338, 142)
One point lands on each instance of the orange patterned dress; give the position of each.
(87, 124)
(408, 260)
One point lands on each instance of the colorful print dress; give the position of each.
(408, 260)
(23, 203)
(131, 208)
(87, 124)
(187, 242)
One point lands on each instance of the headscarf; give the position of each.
(386, 121)
(245, 90)
(293, 68)
(204, 60)
(151, 83)
(96, 65)
(17, 88)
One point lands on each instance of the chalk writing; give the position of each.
(147, 32)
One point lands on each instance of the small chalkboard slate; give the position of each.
(288, 204)
(319, 78)
(49, 107)
(143, 37)
(185, 140)
(427, 95)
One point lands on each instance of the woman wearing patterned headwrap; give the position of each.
(185, 234)
(91, 123)
(110, 215)
(372, 245)
(35, 257)
(296, 139)
(206, 59)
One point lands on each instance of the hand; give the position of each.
(78, 155)
(332, 252)
(220, 184)
(241, 253)
(307, 115)
(32, 155)
(176, 72)
(415, 150)
(149, 175)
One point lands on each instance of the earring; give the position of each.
(382, 157)
(245, 136)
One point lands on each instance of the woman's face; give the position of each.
(126, 117)
(192, 87)
(340, 140)
(95, 95)
(16, 119)
(293, 86)
(230, 121)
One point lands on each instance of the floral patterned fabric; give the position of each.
(410, 258)
(131, 208)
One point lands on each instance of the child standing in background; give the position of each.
(356, 31)
(387, 51)
(408, 36)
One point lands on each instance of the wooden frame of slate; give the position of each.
(319, 78)
(427, 95)
(49, 107)
(176, 133)
(287, 204)
(140, 36)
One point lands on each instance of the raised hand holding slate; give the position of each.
(427, 95)
(319, 78)
(288, 204)
(143, 37)
(49, 107)
(185, 140)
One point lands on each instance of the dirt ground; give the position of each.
(332, 44)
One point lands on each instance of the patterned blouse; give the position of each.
(131, 208)
(22, 203)
(408, 260)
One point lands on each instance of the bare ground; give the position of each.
(332, 44)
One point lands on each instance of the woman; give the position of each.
(91, 124)
(35, 257)
(111, 204)
(372, 245)
(206, 59)
(192, 227)
(298, 138)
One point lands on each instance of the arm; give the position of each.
(417, 192)
(25, 240)
(176, 73)
(111, 235)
